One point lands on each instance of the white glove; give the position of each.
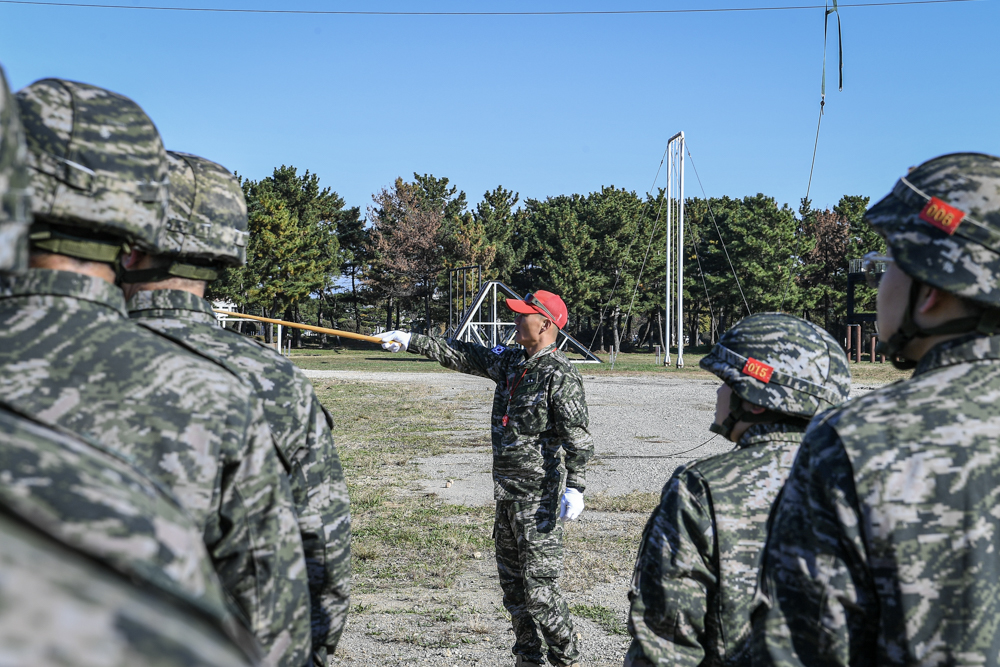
(571, 504)
(395, 341)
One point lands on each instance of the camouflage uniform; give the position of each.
(70, 357)
(547, 411)
(208, 216)
(97, 504)
(882, 547)
(62, 608)
(697, 565)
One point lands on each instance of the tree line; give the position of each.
(313, 259)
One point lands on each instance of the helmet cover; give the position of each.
(97, 161)
(206, 214)
(15, 204)
(783, 363)
(942, 223)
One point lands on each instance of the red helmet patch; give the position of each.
(758, 370)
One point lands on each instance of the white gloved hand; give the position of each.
(571, 504)
(395, 341)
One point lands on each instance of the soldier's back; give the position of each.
(301, 427)
(59, 607)
(926, 469)
(701, 549)
(70, 357)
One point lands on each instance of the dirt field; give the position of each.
(416, 453)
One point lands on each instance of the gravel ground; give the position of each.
(643, 428)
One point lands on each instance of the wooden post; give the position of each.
(872, 348)
(857, 343)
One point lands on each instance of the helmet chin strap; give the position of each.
(988, 322)
(738, 413)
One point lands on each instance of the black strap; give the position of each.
(175, 270)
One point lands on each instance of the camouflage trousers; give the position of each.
(528, 538)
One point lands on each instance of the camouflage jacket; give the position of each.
(70, 357)
(61, 607)
(94, 502)
(301, 427)
(546, 407)
(883, 543)
(696, 570)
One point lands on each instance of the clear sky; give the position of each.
(543, 105)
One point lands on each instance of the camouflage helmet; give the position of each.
(15, 206)
(99, 170)
(206, 222)
(207, 213)
(942, 222)
(782, 363)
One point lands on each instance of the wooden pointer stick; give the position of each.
(332, 332)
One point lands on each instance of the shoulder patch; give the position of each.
(499, 349)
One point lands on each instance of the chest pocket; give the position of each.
(529, 410)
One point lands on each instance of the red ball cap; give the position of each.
(544, 303)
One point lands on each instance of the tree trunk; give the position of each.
(397, 314)
(388, 313)
(600, 334)
(659, 330)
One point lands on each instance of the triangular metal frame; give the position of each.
(493, 331)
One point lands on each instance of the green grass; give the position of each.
(400, 538)
(377, 360)
(608, 619)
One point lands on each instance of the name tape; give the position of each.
(758, 370)
(941, 215)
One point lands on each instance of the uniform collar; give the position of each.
(181, 304)
(961, 350)
(771, 432)
(48, 282)
(537, 355)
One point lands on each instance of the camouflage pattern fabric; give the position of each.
(966, 260)
(302, 431)
(96, 502)
(696, 571)
(810, 370)
(544, 400)
(97, 160)
(529, 551)
(62, 608)
(882, 548)
(207, 213)
(548, 411)
(15, 206)
(70, 357)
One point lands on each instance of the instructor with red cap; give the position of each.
(539, 407)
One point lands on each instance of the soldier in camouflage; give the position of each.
(88, 535)
(70, 358)
(206, 232)
(696, 570)
(62, 608)
(539, 408)
(883, 544)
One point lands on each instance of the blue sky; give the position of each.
(541, 105)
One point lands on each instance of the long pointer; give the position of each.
(332, 332)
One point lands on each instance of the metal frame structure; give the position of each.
(491, 331)
(675, 239)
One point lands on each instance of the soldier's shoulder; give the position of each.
(168, 362)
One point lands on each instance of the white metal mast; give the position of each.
(675, 172)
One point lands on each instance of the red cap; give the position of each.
(544, 303)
